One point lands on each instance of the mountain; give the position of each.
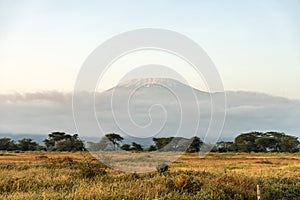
(150, 82)
(140, 106)
(151, 107)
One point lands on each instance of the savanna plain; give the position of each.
(59, 175)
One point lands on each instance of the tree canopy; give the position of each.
(61, 141)
(263, 142)
(25, 144)
(115, 139)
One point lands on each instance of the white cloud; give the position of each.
(43, 112)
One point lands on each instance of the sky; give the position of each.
(255, 45)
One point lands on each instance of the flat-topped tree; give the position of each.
(62, 141)
(136, 147)
(57, 136)
(115, 139)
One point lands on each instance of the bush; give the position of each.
(162, 167)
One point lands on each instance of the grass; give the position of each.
(43, 175)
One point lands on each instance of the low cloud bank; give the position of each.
(43, 112)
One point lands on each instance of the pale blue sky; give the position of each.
(254, 44)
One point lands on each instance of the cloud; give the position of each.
(37, 113)
(43, 112)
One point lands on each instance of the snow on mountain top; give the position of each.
(144, 82)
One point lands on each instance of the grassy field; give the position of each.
(43, 175)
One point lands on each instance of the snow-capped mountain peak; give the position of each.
(149, 82)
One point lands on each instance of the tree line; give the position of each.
(260, 142)
(56, 141)
(245, 142)
(112, 141)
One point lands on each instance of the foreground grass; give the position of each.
(40, 175)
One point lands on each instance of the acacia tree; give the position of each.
(269, 141)
(195, 145)
(246, 141)
(54, 137)
(27, 144)
(136, 147)
(161, 143)
(63, 142)
(266, 144)
(115, 139)
(125, 147)
(49, 143)
(7, 144)
(289, 144)
(70, 143)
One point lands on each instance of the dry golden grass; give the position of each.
(255, 164)
(54, 175)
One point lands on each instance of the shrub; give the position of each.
(162, 167)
